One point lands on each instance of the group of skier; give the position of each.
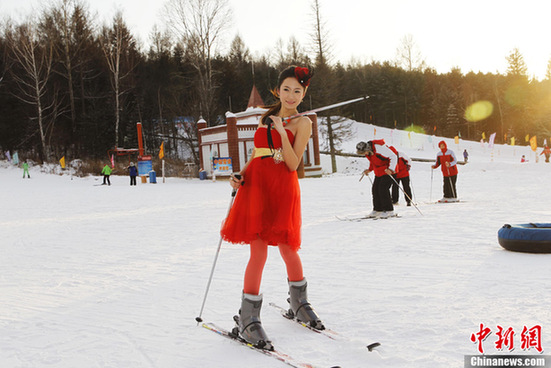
(108, 170)
(391, 168)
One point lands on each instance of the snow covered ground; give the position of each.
(98, 276)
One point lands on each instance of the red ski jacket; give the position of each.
(382, 158)
(403, 166)
(446, 155)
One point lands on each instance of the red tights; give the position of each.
(257, 260)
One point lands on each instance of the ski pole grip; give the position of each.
(238, 177)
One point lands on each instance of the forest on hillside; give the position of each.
(70, 87)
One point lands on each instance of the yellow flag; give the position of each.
(483, 135)
(512, 141)
(527, 139)
(62, 162)
(162, 151)
(534, 143)
(456, 139)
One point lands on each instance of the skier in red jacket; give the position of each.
(382, 161)
(402, 175)
(447, 161)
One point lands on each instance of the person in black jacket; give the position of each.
(133, 172)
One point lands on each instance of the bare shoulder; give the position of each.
(304, 124)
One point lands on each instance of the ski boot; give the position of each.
(301, 309)
(374, 214)
(249, 327)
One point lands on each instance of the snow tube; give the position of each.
(528, 238)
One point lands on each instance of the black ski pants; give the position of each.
(381, 193)
(449, 186)
(405, 186)
(133, 180)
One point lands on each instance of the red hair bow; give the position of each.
(303, 76)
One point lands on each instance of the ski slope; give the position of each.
(114, 276)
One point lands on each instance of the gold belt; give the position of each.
(276, 154)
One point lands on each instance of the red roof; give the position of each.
(255, 100)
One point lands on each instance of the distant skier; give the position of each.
(26, 169)
(382, 161)
(106, 172)
(402, 175)
(133, 172)
(446, 159)
(466, 155)
(547, 152)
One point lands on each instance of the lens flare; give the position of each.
(479, 110)
(415, 129)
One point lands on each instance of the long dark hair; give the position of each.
(303, 75)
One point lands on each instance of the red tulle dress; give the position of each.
(267, 206)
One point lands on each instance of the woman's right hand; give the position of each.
(236, 180)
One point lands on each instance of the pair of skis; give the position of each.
(361, 218)
(278, 354)
(333, 335)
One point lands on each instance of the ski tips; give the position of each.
(370, 347)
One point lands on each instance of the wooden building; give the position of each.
(235, 140)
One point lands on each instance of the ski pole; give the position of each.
(369, 177)
(451, 186)
(233, 193)
(412, 188)
(363, 174)
(431, 175)
(319, 109)
(403, 191)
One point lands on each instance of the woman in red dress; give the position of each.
(266, 210)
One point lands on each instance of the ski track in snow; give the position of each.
(96, 276)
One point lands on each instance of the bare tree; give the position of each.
(324, 84)
(320, 36)
(117, 43)
(32, 67)
(63, 23)
(200, 25)
(335, 130)
(295, 54)
(408, 55)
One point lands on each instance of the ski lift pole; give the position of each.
(403, 191)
